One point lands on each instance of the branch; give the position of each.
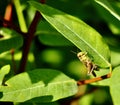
(28, 40)
(84, 82)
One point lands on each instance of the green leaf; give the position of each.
(40, 85)
(111, 21)
(115, 55)
(4, 70)
(45, 32)
(55, 39)
(109, 7)
(114, 86)
(78, 32)
(9, 39)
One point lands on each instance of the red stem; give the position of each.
(27, 42)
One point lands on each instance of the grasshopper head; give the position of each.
(81, 54)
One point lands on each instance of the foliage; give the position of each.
(36, 59)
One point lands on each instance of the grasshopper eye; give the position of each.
(80, 54)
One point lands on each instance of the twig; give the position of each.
(84, 82)
(28, 40)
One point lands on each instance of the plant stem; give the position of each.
(27, 42)
(84, 82)
(21, 19)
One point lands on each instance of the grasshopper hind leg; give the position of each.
(94, 74)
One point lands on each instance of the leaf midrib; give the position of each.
(82, 40)
(38, 86)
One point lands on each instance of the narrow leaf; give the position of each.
(114, 86)
(45, 32)
(10, 39)
(78, 32)
(4, 70)
(55, 39)
(40, 85)
(108, 6)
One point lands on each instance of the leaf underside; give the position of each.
(78, 32)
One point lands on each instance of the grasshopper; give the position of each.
(87, 62)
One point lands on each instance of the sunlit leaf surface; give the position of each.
(78, 32)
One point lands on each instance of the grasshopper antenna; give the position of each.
(74, 52)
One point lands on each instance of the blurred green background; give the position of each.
(51, 50)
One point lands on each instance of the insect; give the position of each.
(83, 57)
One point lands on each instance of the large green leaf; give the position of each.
(40, 85)
(9, 39)
(115, 86)
(45, 32)
(78, 32)
(109, 7)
